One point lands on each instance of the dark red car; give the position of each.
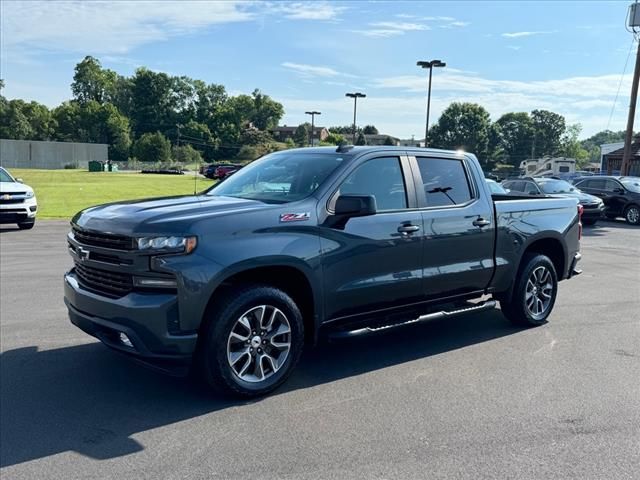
(223, 171)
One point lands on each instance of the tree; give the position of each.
(549, 127)
(301, 135)
(361, 139)
(152, 147)
(370, 130)
(186, 154)
(20, 120)
(153, 105)
(515, 136)
(571, 147)
(92, 82)
(462, 126)
(267, 112)
(335, 139)
(389, 141)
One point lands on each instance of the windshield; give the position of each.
(280, 177)
(631, 183)
(495, 187)
(557, 186)
(4, 176)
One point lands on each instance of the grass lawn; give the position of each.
(62, 193)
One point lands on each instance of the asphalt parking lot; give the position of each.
(471, 397)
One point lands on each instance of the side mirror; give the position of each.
(19, 180)
(355, 205)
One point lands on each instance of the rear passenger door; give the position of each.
(459, 227)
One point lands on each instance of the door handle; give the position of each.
(408, 228)
(480, 222)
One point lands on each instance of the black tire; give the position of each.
(222, 318)
(632, 214)
(26, 225)
(590, 222)
(516, 308)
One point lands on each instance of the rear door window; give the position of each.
(445, 181)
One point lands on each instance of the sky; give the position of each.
(568, 57)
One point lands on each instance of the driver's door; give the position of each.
(374, 262)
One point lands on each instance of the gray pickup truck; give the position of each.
(234, 281)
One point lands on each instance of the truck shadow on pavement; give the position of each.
(92, 401)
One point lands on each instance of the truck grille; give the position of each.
(112, 284)
(105, 240)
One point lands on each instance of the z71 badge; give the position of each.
(294, 217)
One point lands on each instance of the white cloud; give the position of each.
(109, 27)
(309, 71)
(403, 26)
(524, 34)
(308, 10)
(379, 32)
(514, 47)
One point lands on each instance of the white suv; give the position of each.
(17, 201)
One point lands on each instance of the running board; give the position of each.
(480, 307)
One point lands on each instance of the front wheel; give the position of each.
(632, 214)
(534, 294)
(252, 341)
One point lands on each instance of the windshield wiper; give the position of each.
(443, 190)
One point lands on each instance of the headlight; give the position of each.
(29, 194)
(170, 244)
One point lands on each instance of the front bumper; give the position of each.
(24, 211)
(143, 317)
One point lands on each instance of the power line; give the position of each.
(624, 71)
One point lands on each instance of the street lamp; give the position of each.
(429, 65)
(355, 97)
(313, 114)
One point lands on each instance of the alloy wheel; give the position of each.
(539, 291)
(259, 343)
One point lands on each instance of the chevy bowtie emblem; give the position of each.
(83, 254)
(6, 196)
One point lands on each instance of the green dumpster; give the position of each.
(95, 166)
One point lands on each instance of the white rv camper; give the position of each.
(548, 167)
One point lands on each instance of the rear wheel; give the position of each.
(534, 294)
(26, 225)
(632, 214)
(252, 341)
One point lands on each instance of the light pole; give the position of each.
(429, 65)
(313, 114)
(355, 97)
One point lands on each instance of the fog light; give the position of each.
(125, 340)
(154, 282)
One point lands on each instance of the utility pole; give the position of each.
(355, 97)
(430, 65)
(633, 22)
(626, 156)
(313, 114)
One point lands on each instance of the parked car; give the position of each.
(593, 206)
(224, 171)
(621, 195)
(347, 241)
(17, 201)
(496, 188)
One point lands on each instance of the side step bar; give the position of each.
(480, 307)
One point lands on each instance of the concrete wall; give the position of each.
(49, 155)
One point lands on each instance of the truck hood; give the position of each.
(13, 187)
(161, 215)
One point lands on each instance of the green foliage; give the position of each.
(389, 141)
(186, 154)
(20, 120)
(572, 148)
(301, 135)
(360, 139)
(463, 126)
(93, 83)
(290, 143)
(335, 139)
(549, 127)
(152, 147)
(514, 137)
(370, 130)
